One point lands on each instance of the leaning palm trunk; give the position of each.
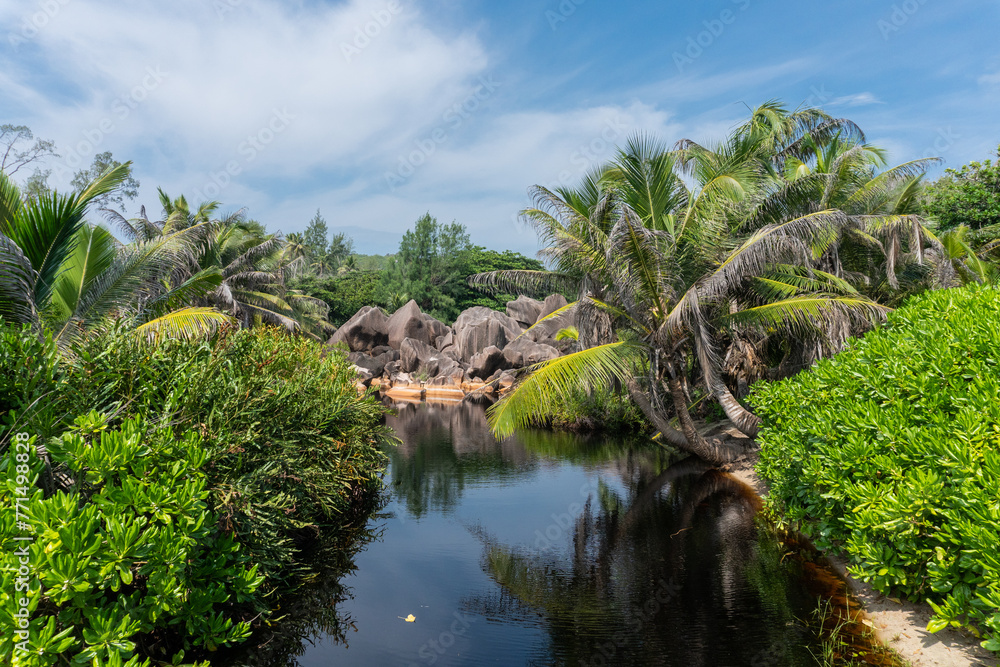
(713, 451)
(747, 422)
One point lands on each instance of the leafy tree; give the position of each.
(316, 236)
(345, 294)
(129, 188)
(428, 266)
(36, 186)
(341, 247)
(59, 273)
(18, 151)
(968, 196)
(232, 268)
(480, 260)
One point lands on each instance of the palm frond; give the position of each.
(537, 395)
(524, 282)
(185, 323)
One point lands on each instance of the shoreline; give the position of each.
(898, 624)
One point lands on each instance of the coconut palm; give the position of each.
(660, 260)
(59, 273)
(250, 270)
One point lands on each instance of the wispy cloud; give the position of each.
(856, 100)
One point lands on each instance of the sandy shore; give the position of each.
(899, 624)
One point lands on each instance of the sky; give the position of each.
(378, 111)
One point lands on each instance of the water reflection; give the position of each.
(672, 571)
(445, 448)
(552, 549)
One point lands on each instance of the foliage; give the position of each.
(891, 453)
(690, 250)
(345, 294)
(292, 446)
(426, 268)
(316, 235)
(432, 267)
(968, 196)
(595, 410)
(59, 273)
(129, 188)
(166, 537)
(17, 153)
(130, 558)
(230, 265)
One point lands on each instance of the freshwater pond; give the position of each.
(556, 549)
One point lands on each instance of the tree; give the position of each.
(341, 247)
(232, 267)
(60, 274)
(316, 236)
(129, 189)
(969, 195)
(18, 151)
(664, 271)
(428, 266)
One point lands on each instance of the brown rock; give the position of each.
(524, 310)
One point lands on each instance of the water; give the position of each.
(552, 549)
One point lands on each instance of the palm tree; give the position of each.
(661, 261)
(59, 273)
(250, 271)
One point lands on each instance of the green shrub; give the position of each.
(193, 489)
(890, 452)
(130, 556)
(292, 446)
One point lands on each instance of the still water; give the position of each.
(554, 549)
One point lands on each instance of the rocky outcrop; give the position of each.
(487, 362)
(524, 352)
(409, 322)
(524, 310)
(412, 356)
(479, 328)
(363, 332)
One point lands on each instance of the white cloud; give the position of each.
(989, 80)
(856, 100)
(222, 79)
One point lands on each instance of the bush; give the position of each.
(292, 446)
(130, 555)
(194, 485)
(596, 411)
(890, 453)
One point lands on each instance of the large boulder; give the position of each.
(363, 332)
(524, 352)
(408, 322)
(416, 355)
(438, 328)
(487, 362)
(479, 327)
(524, 310)
(373, 364)
(544, 332)
(445, 341)
(551, 304)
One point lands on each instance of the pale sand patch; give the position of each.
(900, 625)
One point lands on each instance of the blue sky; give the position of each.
(376, 111)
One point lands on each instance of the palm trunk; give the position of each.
(688, 439)
(747, 422)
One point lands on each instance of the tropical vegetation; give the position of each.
(701, 269)
(177, 489)
(890, 454)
